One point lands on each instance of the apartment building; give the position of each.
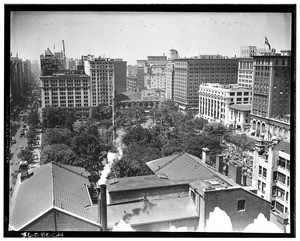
(190, 73)
(271, 174)
(215, 100)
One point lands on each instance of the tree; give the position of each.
(26, 155)
(133, 163)
(54, 117)
(31, 135)
(215, 128)
(88, 148)
(34, 118)
(102, 112)
(138, 135)
(53, 136)
(59, 153)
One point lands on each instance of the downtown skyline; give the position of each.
(136, 35)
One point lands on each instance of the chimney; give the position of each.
(205, 155)
(219, 163)
(103, 207)
(24, 170)
(235, 172)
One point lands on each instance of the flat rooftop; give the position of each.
(152, 212)
(140, 182)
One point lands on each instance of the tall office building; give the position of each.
(70, 90)
(245, 72)
(270, 112)
(170, 79)
(190, 73)
(108, 78)
(141, 71)
(151, 73)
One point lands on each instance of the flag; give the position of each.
(267, 42)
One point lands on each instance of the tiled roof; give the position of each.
(283, 146)
(181, 167)
(241, 107)
(51, 186)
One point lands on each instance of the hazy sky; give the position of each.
(133, 36)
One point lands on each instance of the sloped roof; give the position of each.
(283, 146)
(181, 166)
(51, 186)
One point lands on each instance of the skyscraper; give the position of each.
(272, 95)
(190, 73)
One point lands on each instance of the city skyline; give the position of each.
(135, 35)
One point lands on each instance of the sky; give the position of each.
(136, 35)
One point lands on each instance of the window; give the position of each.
(193, 196)
(288, 181)
(259, 185)
(239, 93)
(274, 191)
(264, 172)
(280, 193)
(281, 178)
(263, 188)
(279, 207)
(260, 170)
(232, 94)
(287, 196)
(241, 205)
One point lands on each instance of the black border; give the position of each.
(229, 8)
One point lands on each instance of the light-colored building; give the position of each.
(156, 77)
(271, 174)
(248, 51)
(240, 116)
(170, 80)
(215, 100)
(108, 78)
(245, 72)
(67, 90)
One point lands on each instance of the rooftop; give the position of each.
(241, 107)
(55, 187)
(283, 146)
(194, 168)
(152, 211)
(140, 182)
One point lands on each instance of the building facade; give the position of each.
(108, 78)
(215, 100)
(248, 51)
(190, 73)
(270, 114)
(271, 174)
(141, 71)
(245, 72)
(240, 116)
(170, 80)
(67, 90)
(131, 83)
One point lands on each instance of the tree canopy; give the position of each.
(55, 117)
(59, 153)
(53, 136)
